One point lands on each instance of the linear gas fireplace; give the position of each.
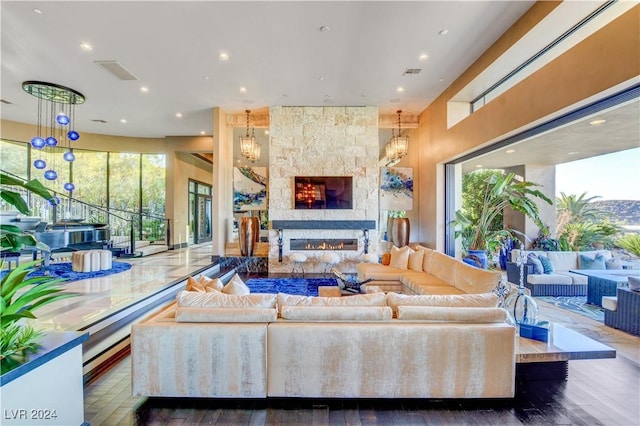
(324, 244)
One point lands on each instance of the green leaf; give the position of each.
(15, 200)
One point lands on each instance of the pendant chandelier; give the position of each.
(249, 147)
(398, 146)
(55, 128)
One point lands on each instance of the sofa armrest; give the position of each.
(513, 272)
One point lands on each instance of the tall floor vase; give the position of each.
(249, 235)
(400, 229)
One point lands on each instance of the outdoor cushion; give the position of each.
(588, 262)
(547, 265)
(575, 278)
(549, 279)
(613, 263)
(610, 303)
(532, 259)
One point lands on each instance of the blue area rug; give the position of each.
(577, 304)
(300, 286)
(63, 270)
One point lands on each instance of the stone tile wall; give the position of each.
(322, 141)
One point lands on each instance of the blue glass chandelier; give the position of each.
(56, 113)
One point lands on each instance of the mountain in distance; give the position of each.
(627, 211)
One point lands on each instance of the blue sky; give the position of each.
(612, 177)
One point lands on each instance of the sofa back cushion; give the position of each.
(370, 299)
(592, 260)
(336, 313)
(221, 300)
(204, 284)
(443, 267)
(426, 261)
(451, 315)
(233, 315)
(486, 300)
(474, 280)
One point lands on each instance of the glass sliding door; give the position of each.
(200, 205)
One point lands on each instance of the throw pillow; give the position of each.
(194, 285)
(634, 283)
(532, 259)
(211, 284)
(236, 286)
(587, 262)
(386, 258)
(547, 266)
(400, 257)
(613, 263)
(415, 260)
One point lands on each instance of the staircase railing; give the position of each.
(122, 223)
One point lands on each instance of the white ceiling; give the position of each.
(276, 51)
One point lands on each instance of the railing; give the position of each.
(125, 226)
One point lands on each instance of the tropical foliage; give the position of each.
(499, 192)
(20, 297)
(631, 243)
(11, 237)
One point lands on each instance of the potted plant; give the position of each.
(500, 191)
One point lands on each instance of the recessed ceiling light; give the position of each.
(443, 32)
(400, 89)
(202, 132)
(38, 11)
(206, 77)
(478, 166)
(572, 153)
(324, 28)
(441, 80)
(597, 122)
(144, 89)
(223, 56)
(321, 78)
(243, 89)
(510, 151)
(266, 132)
(86, 47)
(123, 121)
(179, 114)
(423, 57)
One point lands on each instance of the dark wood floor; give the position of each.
(598, 392)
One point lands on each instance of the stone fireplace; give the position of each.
(322, 141)
(324, 244)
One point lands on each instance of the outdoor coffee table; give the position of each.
(550, 360)
(605, 282)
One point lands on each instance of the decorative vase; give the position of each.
(399, 231)
(522, 307)
(481, 255)
(249, 235)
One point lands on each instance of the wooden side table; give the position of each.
(329, 291)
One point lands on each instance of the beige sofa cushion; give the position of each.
(236, 286)
(336, 313)
(222, 300)
(443, 266)
(549, 279)
(226, 315)
(204, 284)
(378, 272)
(415, 260)
(400, 257)
(488, 300)
(370, 299)
(438, 290)
(451, 315)
(474, 280)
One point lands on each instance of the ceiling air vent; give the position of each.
(411, 71)
(6, 102)
(117, 70)
(100, 121)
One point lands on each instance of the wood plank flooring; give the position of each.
(598, 392)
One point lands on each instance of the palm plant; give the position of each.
(631, 243)
(500, 192)
(20, 296)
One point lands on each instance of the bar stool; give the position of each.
(298, 260)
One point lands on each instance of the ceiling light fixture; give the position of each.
(144, 89)
(59, 109)
(510, 151)
(178, 115)
(38, 11)
(597, 122)
(123, 121)
(223, 56)
(400, 89)
(443, 32)
(86, 47)
(423, 57)
(249, 147)
(398, 146)
(243, 89)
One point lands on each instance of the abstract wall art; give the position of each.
(396, 188)
(249, 188)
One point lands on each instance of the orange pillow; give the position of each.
(386, 259)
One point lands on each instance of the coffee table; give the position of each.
(550, 360)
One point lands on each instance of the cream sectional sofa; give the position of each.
(428, 271)
(560, 282)
(373, 345)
